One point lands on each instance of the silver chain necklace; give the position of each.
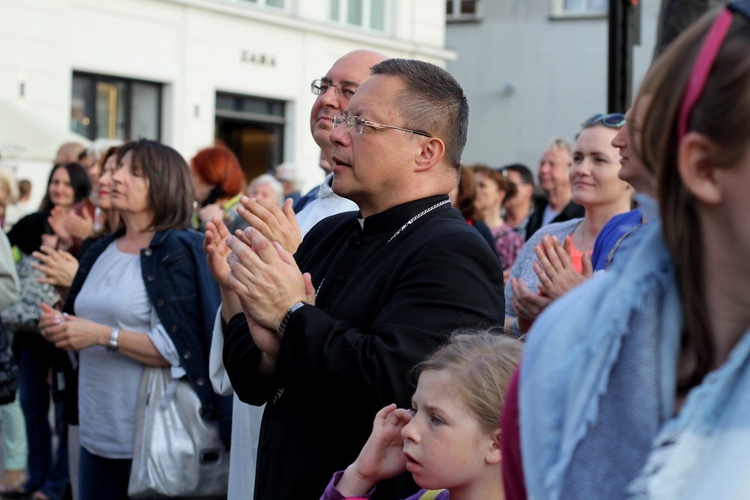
(420, 214)
(400, 230)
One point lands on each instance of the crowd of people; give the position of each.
(413, 327)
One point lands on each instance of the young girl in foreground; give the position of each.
(451, 437)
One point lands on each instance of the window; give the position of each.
(279, 4)
(463, 10)
(115, 108)
(369, 14)
(580, 8)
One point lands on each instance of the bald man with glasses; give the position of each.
(333, 93)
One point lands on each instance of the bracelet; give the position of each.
(113, 345)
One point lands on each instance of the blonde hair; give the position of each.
(482, 362)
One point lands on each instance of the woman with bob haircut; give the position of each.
(219, 182)
(492, 190)
(651, 398)
(142, 297)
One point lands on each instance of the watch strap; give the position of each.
(287, 316)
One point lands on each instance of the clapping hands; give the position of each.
(69, 225)
(555, 270)
(59, 267)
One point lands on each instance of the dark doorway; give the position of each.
(253, 128)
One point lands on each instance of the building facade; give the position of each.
(533, 70)
(192, 72)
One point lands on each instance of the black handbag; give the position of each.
(8, 369)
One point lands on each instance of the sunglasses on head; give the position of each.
(705, 60)
(613, 120)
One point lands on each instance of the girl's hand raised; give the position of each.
(382, 456)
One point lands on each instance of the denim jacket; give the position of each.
(597, 393)
(185, 296)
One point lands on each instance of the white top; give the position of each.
(114, 294)
(326, 203)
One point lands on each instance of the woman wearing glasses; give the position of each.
(651, 400)
(596, 186)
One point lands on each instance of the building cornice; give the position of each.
(287, 20)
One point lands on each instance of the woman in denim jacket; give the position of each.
(154, 264)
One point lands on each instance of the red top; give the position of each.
(576, 258)
(510, 444)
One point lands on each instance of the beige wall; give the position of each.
(554, 72)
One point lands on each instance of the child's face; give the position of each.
(444, 444)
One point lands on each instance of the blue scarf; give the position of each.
(598, 376)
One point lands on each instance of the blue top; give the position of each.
(523, 267)
(611, 235)
(307, 198)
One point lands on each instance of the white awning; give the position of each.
(24, 135)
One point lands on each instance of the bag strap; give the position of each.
(173, 382)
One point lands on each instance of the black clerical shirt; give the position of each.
(381, 308)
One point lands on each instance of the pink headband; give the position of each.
(702, 67)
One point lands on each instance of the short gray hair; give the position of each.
(278, 189)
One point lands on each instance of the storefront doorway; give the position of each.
(253, 128)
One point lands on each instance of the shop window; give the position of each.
(108, 107)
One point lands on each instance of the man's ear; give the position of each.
(697, 166)
(493, 454)
(430, 154)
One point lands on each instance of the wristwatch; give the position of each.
(285, 321)
(113, 345)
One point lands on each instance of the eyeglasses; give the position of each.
(705, 60)
(358, 124)
(343, 90)
(612, 120)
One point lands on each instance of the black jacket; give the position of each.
(381, 308)
(571, 211)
